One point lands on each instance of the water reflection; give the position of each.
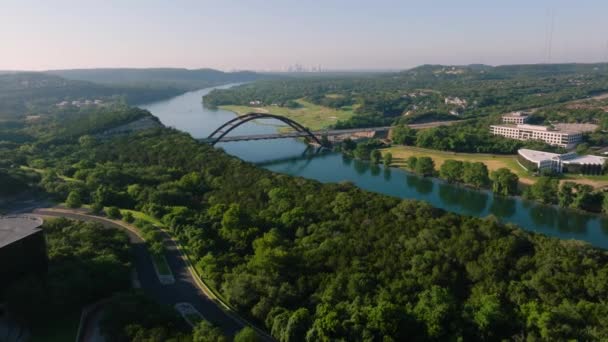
(503, 207)
(291, 156)
(449, 194)
(375, 169)
(543, 216)
(473, 202)
(568, 221)
(360, 166)
(421, 184)
(387, 174)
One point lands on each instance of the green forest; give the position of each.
(321, 262)
(428, 92)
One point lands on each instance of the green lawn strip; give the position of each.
(143, 216)
(492, 161)
(185, 253)
(309, 115)
(41, 171)
(161, 264)
(58, 328)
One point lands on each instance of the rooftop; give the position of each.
(516, 114)
(587, 159)
(15, 228)
(567, 158)
(536, 156)
(559, 128)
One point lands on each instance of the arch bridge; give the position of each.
(313, 137)
(220, 134)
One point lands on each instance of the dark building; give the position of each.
(22, 248)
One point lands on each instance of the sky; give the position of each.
(273, 34)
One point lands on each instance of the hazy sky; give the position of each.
(272, 34)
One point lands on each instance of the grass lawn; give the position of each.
(142, 216)
(308, 114)
(161, 264)
(41, 171)
(58, 329)
(492, 161)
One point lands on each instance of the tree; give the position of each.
(207, 332)
(544, 190)
(435, 308)
(504, 182)
(582, 148)
(96, 208)
(605, 203)
(403, 135)
(475, 174)
(247, 334)
(363, 151)
(489, 316)
(388, 159)
(425, 166)
(451, 170)
(375, 157)
(86, 141)
(411, 162)
(73, 200)
(113, 213)
(297, 326)
(128, 217)
(584, 198)
(348, 145)
(565, 195)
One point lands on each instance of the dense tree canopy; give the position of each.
(312, 261)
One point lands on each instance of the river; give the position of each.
(290, 156)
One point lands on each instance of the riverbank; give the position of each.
(291, 157)
(492, 161)
(308, 114)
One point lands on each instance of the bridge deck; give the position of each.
(331, 132)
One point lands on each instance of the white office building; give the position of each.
(552, 136)
(515, 118)
(568, 162)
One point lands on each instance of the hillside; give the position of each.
(33, 93)
(428, 91)
(179, 78)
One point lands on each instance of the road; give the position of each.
(329, 132)
(185, 288)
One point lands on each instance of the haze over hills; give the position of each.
(26, 92)
(176, 77)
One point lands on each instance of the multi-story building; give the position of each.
(552, 136)
(515, 118)
(568, 162)
(22, 248)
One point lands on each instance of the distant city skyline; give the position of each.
(273, 35)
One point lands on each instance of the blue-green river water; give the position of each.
(293, 157)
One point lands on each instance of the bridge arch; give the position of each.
(224, 129)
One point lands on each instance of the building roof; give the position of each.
(576, 127)
(15, 228)
(539, 128)
(588, 159)
(516, 115)
(536, 156)
(567, 158)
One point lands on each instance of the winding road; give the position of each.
(187, 287)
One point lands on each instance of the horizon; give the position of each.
(295, 72)
(337, 35)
